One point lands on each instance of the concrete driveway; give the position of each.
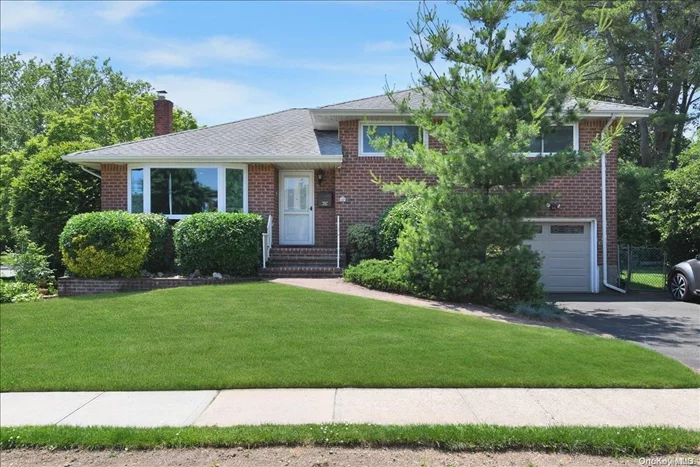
(652, 320)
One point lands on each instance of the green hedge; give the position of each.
(361, 243)
(391, 224)
(379, 274)
(104, 244)
(228, 243)
(160, 252)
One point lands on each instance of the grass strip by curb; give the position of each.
(585, 440)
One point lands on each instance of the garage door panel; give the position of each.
(566, 250)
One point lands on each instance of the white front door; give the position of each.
(297, 208)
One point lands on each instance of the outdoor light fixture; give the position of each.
(319, 175)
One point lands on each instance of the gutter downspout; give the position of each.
(605, 212)
(91, 172)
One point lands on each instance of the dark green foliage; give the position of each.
(379, 274)
(47, 192)
(677, 211)
(29, 261)
(160, 250)
(391, 224)
(467, 242)
(228, 243)
(361, 243)
(637, 191)
(104, 244)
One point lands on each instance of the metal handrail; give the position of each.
(337, 248)
(267, 242)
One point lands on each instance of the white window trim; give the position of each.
(360, 139)
(221, 183)
(576, 145)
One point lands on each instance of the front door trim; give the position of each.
(312, 215)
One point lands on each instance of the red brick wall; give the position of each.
(324, 218)
(364, 199)
(263, 195)
(113, 187)
(579, 196)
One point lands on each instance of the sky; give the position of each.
(230, 60)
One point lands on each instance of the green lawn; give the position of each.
(647, 280)
(612, 441)
(270, 335)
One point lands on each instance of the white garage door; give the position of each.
(566, 252)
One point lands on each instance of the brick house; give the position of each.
(309, 172)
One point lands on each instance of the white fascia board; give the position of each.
(126, 159)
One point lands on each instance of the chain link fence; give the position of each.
(642, 268)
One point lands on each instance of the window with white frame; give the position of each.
(555, 139)
(399, 131)
(179, 191)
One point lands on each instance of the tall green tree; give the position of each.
(651, 56)
(32, 88)
(677, 208)
(48, 191)
(66, 103)
(468, 242)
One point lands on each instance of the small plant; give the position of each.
(361, 243)
(379, 274)
(548, 311)
(104, 244)
(29, 261)
(16, 292)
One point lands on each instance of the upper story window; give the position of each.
(180, 191)
(555, 139)
(402, 132)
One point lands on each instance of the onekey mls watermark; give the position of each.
(661, 461)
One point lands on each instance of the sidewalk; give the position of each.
(513, 407)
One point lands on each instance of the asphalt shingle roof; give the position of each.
(286, 133)
(380, 102)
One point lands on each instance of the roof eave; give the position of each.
(90, 160)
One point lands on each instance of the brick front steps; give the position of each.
(302, 262)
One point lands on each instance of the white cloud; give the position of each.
(211, 49)
(214, 101)
(385, 46)
(118, 11)
(16, 16)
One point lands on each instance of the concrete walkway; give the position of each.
(513, 407)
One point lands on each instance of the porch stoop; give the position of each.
(303, 262)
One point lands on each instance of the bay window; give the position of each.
(179, 191)
(555, 139)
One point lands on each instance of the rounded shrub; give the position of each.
(104, 244)
(391, 224)
(361, 243)
(379, 274)
(160, 252)
(228, 243)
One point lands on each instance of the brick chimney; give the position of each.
(163, 115)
